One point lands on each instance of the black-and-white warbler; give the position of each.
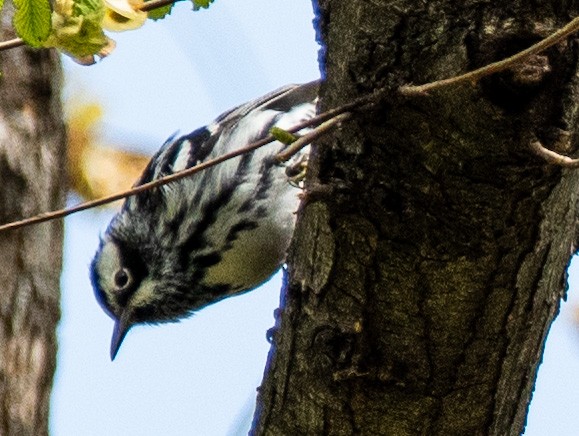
(175, 249)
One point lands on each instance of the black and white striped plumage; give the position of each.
(222, 232)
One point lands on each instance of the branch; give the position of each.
(553, 157)
(487, 70)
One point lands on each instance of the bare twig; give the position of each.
(324, 120)
(487, 70)
(48, 216)
(155, 4)
(11, 43)
(553, 157)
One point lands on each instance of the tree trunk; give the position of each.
(32, 150)
(421, 290)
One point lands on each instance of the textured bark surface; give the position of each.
(32, 180)
(422, 289)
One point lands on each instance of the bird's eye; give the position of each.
(122, 279)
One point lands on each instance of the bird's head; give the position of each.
(132, 288)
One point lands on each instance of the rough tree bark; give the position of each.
(32, 180)
(421, 290)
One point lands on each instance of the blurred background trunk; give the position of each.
(32, 180)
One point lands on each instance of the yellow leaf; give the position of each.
(96, 170)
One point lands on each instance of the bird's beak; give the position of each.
(122, 327)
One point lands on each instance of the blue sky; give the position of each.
(198, 377)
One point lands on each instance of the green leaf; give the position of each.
(282, 135)
(159, 13)
(198, 4)
(87, 7)
(32, 21)
(79, 38)
(77, 28)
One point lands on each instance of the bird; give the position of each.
(178, 248)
